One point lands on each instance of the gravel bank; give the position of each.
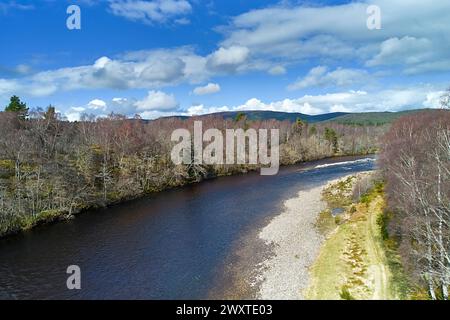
(296, 245)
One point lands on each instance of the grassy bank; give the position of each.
(357, 260)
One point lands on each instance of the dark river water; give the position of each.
(168, 246)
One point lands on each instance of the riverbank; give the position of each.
(296, 245)
(356, 260)
(48, 217)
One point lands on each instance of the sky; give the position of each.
(187, 57)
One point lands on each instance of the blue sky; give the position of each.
(164, 57)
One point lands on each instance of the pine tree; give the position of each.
(15, 105)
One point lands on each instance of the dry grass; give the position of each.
(354, 262)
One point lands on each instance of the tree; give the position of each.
(15, 105)
(415, 159)
(239, 116)
(50, 114)
(331, 137)
(445, 99)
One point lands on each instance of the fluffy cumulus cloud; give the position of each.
(207, 89)
(134, 70)
(154, 105)
(150, 12)
(228, 59)
(321, 77)
(157, 100)
(97, 104)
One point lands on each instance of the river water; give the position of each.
(171, 245)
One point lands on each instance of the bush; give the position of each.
(345, 294)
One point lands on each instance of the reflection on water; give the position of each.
(167, 246)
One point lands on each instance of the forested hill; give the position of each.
(360, 119)
(280, 116)
(372, 118)
(258, 115)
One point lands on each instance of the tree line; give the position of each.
(52, 169)
(415, 160)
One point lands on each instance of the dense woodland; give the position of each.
(52, 169)
(415, 159)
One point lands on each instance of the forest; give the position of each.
(52, 169)
(415, 161)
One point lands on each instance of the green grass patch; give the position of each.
(325, 223)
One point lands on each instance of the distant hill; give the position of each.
(281, 116)
(372, 118)
(359, 119)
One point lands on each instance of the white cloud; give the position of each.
(73, 116)
(8, 86)
(157, 101)
(155, 104)
(208, 89)
(416, 54)
(349, 101)
(149, 12)
(277, 70)
(134, 70)
(159, 104)
(97, 104)
(339, 33)
(228, 59)
(409, 50)
(321, 77)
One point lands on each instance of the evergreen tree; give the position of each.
(15, 105)
(331, 137)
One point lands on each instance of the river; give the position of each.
(172, 245)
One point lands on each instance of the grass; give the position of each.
(339, 194)
(357, 260)
(29, 222)
(400, 283)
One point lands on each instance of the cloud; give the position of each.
(150, 12)
(270, 40)
(331, 33)
(145, 69)
(97, 104)
(159, 104)
(157, 101)
(321, 77)
(8, 86)
(347, 101)
(133, 70)
(208, 89)
(155, 104)
(14, 5)
(277, 70)
(228, 59)
(416, 54)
